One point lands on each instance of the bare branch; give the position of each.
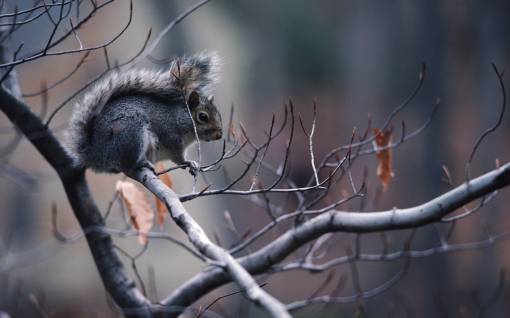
(350, 299)
(356, 222)
(199, 239)
(496, 125)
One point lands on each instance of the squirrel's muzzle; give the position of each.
(211, 134)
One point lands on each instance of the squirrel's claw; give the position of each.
(194, 167)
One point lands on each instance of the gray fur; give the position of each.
(137, 116)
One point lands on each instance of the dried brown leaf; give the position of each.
(383, 153)
(140, 212)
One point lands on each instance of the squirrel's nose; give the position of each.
(218, 135)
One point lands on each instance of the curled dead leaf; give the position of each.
(384, 156)
(140, 212)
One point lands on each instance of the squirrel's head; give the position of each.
(206, 116)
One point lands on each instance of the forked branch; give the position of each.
(340, 221)
(202, 243)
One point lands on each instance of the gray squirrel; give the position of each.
(132, 119)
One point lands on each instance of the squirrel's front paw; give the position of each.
(193, 166)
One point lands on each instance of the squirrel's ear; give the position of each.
(193, 100)
(210, 99)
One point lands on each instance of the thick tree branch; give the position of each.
(199, 239)
(341, 221)
(118, 284)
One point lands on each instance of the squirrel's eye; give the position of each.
(203, 117)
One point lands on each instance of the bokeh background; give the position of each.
(354, 58)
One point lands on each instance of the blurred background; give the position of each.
(356, 59)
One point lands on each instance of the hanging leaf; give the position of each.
(384, 167)
(167, 180)
(140, 212)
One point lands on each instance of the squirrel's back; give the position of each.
(185, 74)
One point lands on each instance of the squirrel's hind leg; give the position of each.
(140, 153)
(126, 143)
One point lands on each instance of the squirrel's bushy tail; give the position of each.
(186, 74)
(195, 73)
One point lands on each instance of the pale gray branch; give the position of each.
(341, 221)
(202, 243)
